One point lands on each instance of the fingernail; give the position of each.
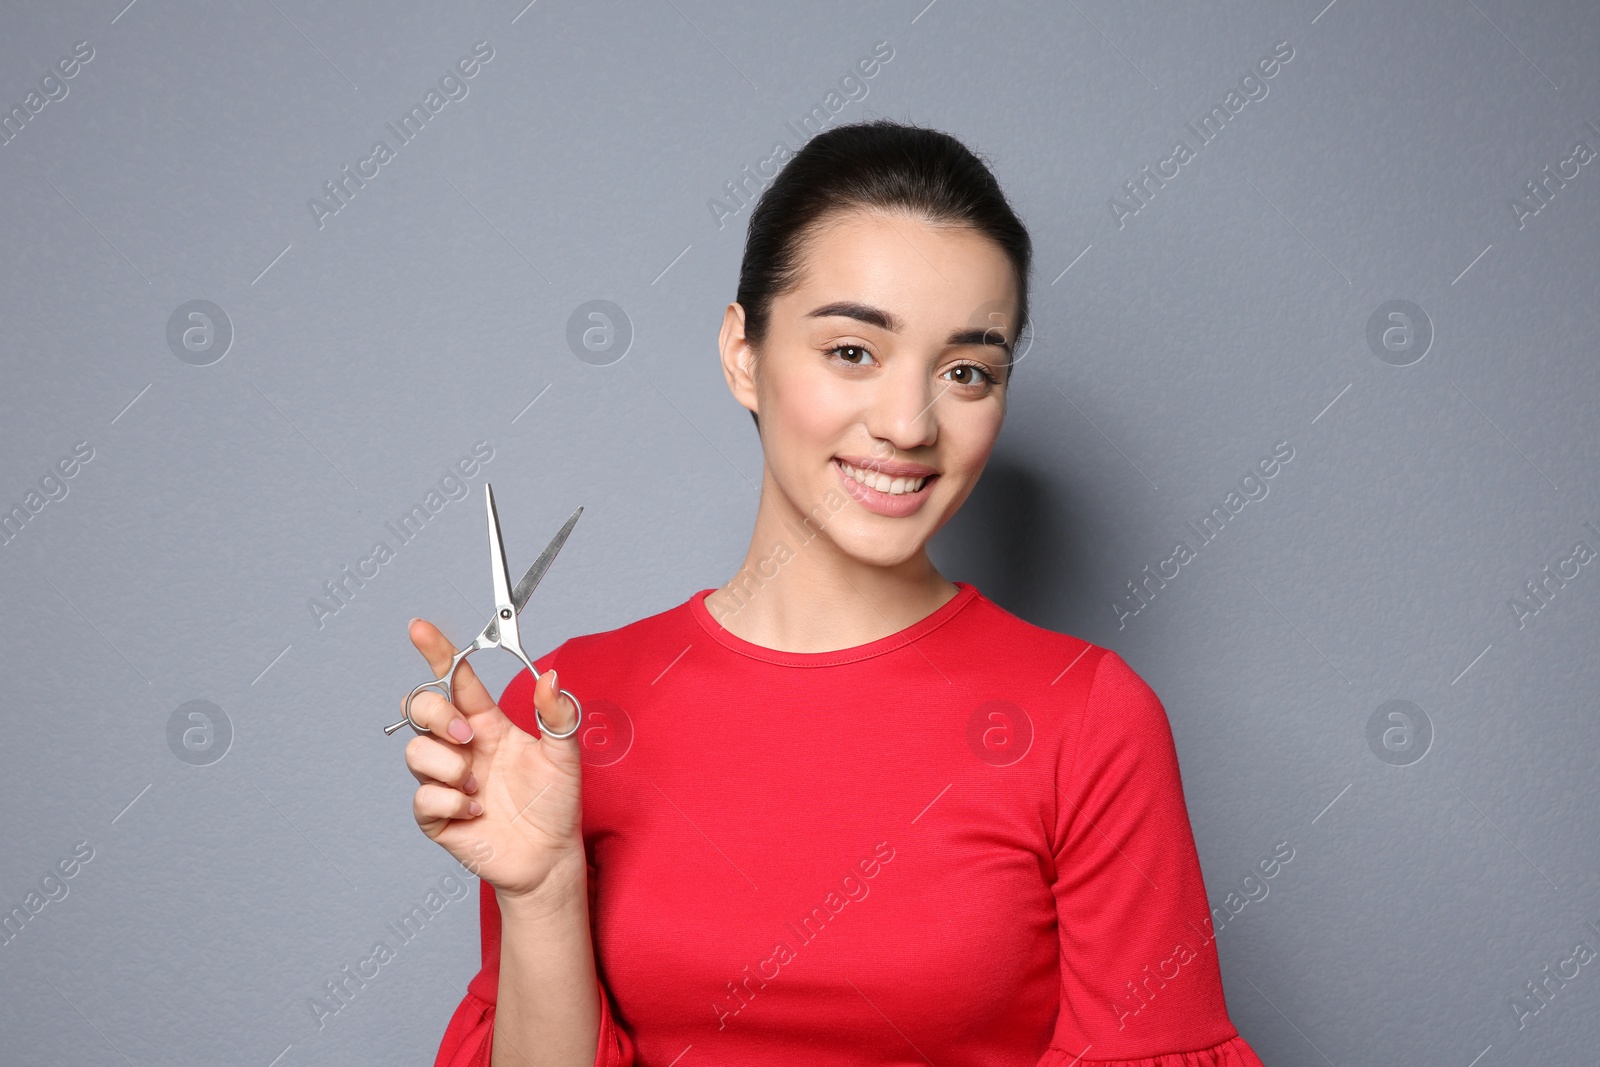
(408, 625)
(470, 785)
(460, 730)
(474, 808)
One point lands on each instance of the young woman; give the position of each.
(840, 810)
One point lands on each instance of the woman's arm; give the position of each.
(537, 998)
(548, 1011)
(474, 1037)
(1140, 980)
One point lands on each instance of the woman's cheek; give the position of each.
(819, 408)
(975, 436)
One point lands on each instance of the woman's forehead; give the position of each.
(917, 275)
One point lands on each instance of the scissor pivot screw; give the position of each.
(505, 613)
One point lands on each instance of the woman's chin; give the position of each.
(881, 548)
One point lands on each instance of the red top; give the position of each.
(964, 844)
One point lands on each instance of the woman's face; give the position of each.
(881, 383)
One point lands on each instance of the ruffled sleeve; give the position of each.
(468, 1039)
(1140, 981)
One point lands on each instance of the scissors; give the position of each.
(501, 632)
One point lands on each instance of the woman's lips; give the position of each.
(893, 505)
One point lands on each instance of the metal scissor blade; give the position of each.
(497, 553)
(530, 581)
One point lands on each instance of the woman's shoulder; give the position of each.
(633, 639)
(1007, 631)
(1101, 673)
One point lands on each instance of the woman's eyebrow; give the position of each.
(866, 313)
(882, 319)
(980, 337)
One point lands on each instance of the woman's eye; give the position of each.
(970, 374)
(851, 354)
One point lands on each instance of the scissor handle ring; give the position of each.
(442, 686)
(545, 731)
(438, 685)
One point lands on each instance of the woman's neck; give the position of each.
(797, 592)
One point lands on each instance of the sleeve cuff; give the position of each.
(469, 1039)
(1234, 1052)
(614, 1048)
(466, 1039)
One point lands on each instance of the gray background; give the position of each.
(1229, 314)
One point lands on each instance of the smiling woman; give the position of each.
(883, 286)
(1025, 782)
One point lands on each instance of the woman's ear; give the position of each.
(738, 358)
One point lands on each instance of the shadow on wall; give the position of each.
(1010, 540)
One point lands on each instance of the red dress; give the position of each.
(964, 844)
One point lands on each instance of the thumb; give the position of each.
(467, 691)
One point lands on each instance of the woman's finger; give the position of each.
(469, 693)
(431, 711)
(431, 760)
(433, 801)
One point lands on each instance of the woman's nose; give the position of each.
(905, 412)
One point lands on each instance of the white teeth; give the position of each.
(882, 482)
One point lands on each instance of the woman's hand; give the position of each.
(506, 805)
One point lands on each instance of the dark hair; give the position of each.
(877, 164)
